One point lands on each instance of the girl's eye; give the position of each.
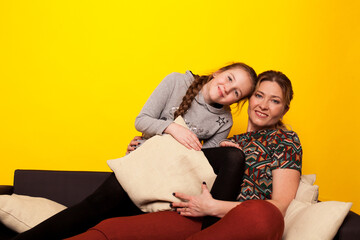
(230, 79)
(258, 95)
(237, 94)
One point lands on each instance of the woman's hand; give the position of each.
(195, 206)
(133, 144)
(229, 144)
(184, 136)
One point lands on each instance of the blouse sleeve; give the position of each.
(288, 153)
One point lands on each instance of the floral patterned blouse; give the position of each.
(266, 150)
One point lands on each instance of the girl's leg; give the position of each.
(229, 166)
(109, 200)
(251, 220)
(167, 225)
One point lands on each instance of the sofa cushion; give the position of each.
(307, 192)
(21, 213)
(306, 218)
(314, 221)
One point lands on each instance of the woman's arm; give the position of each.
(133, 144)
(202, 205)
(285, 184)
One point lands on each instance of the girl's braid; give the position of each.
(191, 93)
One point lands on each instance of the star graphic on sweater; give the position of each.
(221, 121)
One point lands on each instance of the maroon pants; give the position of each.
(251, 220)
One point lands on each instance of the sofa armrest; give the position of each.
(6, 189)
(350, 228)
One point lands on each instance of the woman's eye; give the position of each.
(237, 94)
(258, 95)
(230, 79)
(276, 101)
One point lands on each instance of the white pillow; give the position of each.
(306, 218)
(20, 213)
(314, 221)
(307, 192)
(159, 167)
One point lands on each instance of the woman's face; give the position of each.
(266, 106)
(228, 87)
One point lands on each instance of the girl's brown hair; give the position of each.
(285, 85)
(200, 81)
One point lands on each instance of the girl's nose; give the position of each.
(227, 88)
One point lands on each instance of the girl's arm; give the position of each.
(148, 121)
(216, 139)
(285, 184)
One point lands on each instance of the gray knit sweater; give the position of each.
(210, 124)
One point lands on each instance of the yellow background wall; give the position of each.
(74, 75)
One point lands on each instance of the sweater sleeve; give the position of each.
(148, 121)
(215, 140)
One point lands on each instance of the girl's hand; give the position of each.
(133, 144)
(184, 136)
(195, 206)
(229, 144)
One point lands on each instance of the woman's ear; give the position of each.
(285, 111)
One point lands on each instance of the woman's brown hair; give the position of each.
(200, 81)
(285, 85)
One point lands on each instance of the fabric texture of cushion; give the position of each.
(159, 167)
(20, 213)
(306, 218)
(307, 192)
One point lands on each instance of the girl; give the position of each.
(203, 101)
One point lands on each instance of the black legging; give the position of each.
(229, 166)
(111, 200)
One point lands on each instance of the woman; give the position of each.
(204, 102)
(272, 175)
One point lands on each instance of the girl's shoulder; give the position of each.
(180, 78)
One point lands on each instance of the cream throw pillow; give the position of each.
(314, 221)
(20, 213)
(307, 192)
(159, 167)
(306, 218)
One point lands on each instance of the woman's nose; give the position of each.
(263, 105)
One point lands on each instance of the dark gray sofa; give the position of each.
(70, 187)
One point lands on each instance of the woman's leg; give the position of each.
(251, 220)
(167, 225)
(229, 166)
(109, 200)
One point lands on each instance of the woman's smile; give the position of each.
(260, 114)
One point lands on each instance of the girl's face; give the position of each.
(227, 87)
(266, 106)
